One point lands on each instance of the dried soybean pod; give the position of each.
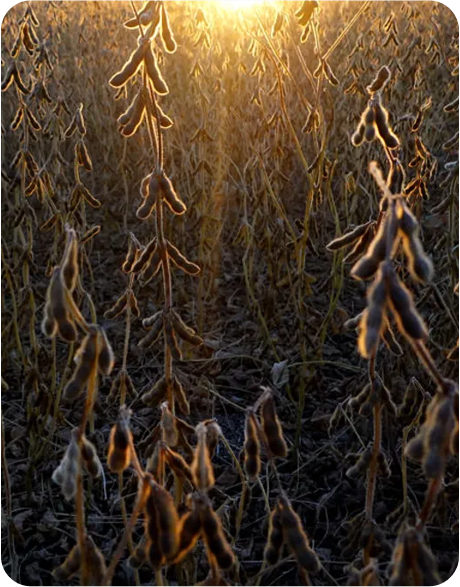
(143, 258)
(361, 245)
(402, 305)
(184, 331)
(366, 267)
(180, 260)
(86, 359)
(134, 110)
(153, 72)
(171, 340)
(57, 307)
(167, 520)
(9, 77)
(202, 471)
(33, 121)
(215, 539)
(144, 187)
(66, 473)
(106, 359)
(156, 394)
(119, 456)
(18, 117)
(180, 397)
(178, 464)
(169, 425)
(372, 320)
(90, 199)
(166, 33)
(95, 562)
(419, 264)
(383, 127)
(407, 222)
(90, 234)
(272, 428)
(80, 121)
(189, 532)
(165, 121)
(90, 459)
(154, 553)
(70, 566)
(146, 208)
(130, 67)
(369, 133)
(297, 539)
(130, 257)
(155, 323)
(275, 537)
(358, 136)
(381, 79)
(349, 238)
(170, 197)
(251, 448)
(117, 307)
(83, 156)
(130, 128)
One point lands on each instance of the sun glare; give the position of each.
(235, 5)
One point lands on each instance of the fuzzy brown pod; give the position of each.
(272, 428)
(170, 197)
(167, 36)
(185, 332)
(156, 394)
(180, 397)
(372, 321)
(86, 359)
(383, 126)
(380, 81)
(167, 519)
(181, 261)
(251, 447)
(202, 470)
(153, 72)
(189, 532)
(57, 317)
(403, 308)
(69, 262)
(275, 539)
(386, 235)
(90, 459)
(168, 424)
(119, 455)
(296, 538)
(412, 561)
(155, 325)
(178, 464)
(118, 307)
(214, 537)
(349, 238)
(66, 473)
(131, 66)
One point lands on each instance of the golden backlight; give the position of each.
(240, 5)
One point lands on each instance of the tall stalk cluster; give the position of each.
(377, 256)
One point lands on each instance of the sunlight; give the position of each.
(235, 5)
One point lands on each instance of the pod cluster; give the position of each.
(269, 430)
(93, 560)
(285, 527)
(412, 562)
(437, 438)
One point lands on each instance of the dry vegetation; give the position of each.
(229, 293)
